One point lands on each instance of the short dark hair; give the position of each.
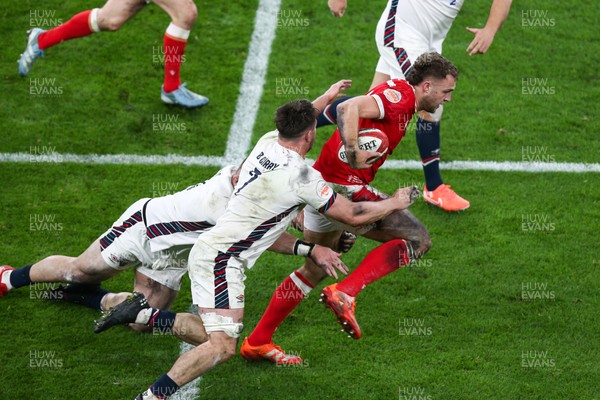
(431, 65)
(295, 118)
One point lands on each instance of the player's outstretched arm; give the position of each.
(331, 94)
(485, 36)
(324, 257)
(366, 212)
(348, 114)
(337, 7)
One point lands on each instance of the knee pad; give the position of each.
(214, 322)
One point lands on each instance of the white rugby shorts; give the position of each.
(217, 279)
(126, 245)
(408, 41)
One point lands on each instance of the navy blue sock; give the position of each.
(20, 277)
(162, 320)
(428, 141)
(329, 115)
(93, 299)
(164, 387)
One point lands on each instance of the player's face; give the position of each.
(437, 92)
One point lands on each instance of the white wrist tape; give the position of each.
(301, 248)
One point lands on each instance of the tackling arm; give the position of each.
(348, 114)
(324, 257)
(331, 94)
(366, 212)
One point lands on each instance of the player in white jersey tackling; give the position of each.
(275, 184)
(155, 237)
(407, 29)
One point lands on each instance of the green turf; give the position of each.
(466, 297)
(464, 300)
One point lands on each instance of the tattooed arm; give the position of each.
(348, 114)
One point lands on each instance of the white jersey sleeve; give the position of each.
(179, 219)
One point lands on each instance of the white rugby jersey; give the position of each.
(275, 184)
(429, 19)
(179, 218)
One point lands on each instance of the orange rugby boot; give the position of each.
(343, 306)
(445, 198)
(270, 352)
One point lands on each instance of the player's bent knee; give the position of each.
(214, 322)
(422, 245)
(186, 15)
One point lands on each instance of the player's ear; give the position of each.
(426, 86)
(234, 180)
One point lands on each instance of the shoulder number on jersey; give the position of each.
(253, 175)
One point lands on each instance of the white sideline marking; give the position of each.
(220, 161)
(253, 81)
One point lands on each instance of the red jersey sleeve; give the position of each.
(395, 99)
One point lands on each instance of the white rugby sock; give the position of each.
(143, 316)
(176, 32)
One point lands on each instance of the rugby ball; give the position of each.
(369, 139)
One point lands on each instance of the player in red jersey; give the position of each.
(388, 107)
(111, 17)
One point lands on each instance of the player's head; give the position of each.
(296, 118)
(434, 78)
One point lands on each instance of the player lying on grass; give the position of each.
(275, 184)
(388, 107)
(154, 236)
(407, 29)
(111, 17)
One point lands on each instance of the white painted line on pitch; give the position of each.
(117, 159)
(191, 390)
(216, 161)
(503, 166)
(253, 81)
